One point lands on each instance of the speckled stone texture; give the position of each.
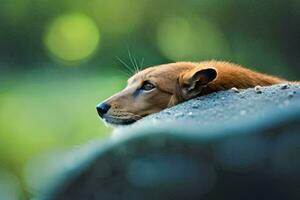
(227, 145)
(230, 106)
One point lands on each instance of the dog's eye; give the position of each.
(147, 86)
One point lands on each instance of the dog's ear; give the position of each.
(192, 82)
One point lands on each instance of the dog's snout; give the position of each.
(103, 108)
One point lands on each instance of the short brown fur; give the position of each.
(178, 82)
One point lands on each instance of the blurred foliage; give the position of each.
(65, 41)
(45, 104)
(40, 113)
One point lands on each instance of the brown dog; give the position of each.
(156, 88)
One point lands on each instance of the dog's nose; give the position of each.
(103, 108)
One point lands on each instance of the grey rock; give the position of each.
(284, 86)
(228, 148)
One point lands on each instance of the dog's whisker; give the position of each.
(136, 65)
(126, 65)
(141, 64)
(124, 72)
(132, 60)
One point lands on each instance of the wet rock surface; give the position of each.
(227, 145)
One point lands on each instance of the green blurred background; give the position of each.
(58, 59)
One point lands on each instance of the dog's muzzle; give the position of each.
(102, 109)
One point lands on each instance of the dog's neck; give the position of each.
(240, 78)
(229, 76)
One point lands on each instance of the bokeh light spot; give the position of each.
(190, 39)
(72, 37)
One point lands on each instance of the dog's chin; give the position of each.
(117, 122)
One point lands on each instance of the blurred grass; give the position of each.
(41, 112)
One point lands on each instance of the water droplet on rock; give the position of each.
(258, 89)
(234, 89)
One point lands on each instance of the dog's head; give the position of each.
(155, 89)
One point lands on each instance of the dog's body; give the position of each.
(156, 88)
